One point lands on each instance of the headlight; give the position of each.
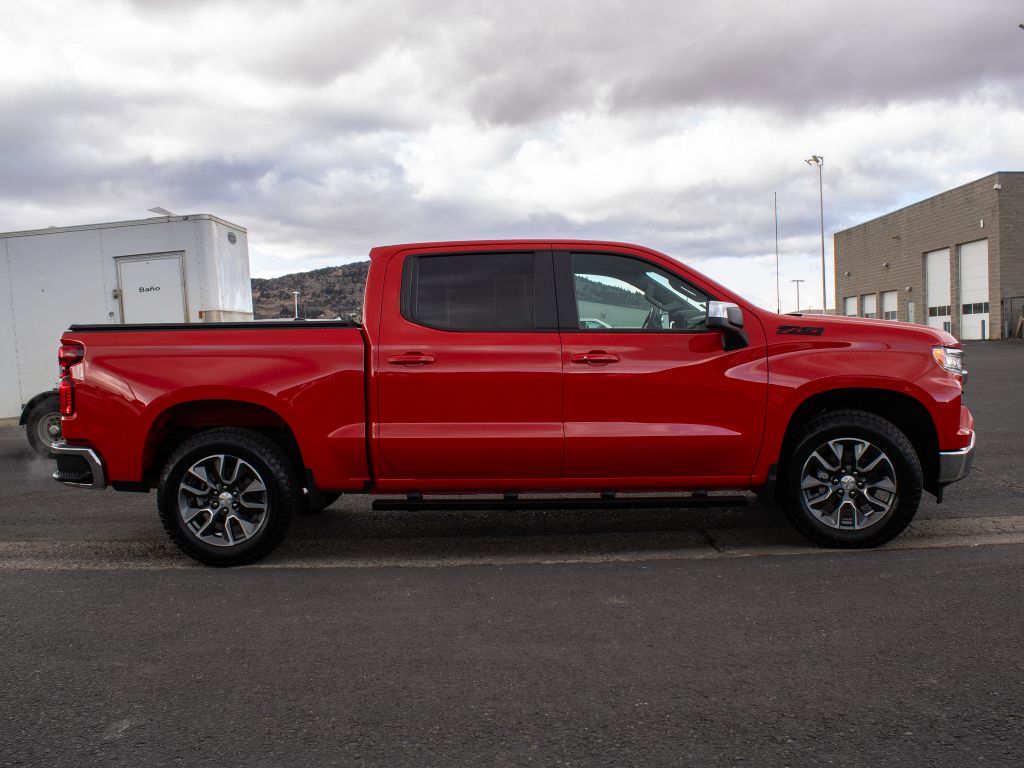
(950, 358)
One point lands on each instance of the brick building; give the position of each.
(953, 261)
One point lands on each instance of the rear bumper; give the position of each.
(78, 466)
(954, 465)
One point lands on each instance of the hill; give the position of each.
(327, 292)
(338, 292)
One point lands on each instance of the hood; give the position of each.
(824, 327)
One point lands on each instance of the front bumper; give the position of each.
(78, 466)
(954, 465)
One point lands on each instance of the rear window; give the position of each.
(472, 292)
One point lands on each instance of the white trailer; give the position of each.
(168, 269)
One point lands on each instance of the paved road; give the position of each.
(884, 658)
(545, 638)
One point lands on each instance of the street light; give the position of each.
(819, 161)
(798, 292)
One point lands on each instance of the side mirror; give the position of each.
(728, 319)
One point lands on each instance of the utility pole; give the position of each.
(819, 161)
(798, 292)
(296, 294)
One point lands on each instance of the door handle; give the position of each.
(594, 357)
(411, 358)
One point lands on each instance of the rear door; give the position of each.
(469, 376)
(152, 288)
(649, 391)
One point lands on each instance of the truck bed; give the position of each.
(140, 382)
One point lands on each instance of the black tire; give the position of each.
(280, 493)
(882, 436)
(325, 500)
(41, 418)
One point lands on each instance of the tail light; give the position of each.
(67, 396)
(68, 355)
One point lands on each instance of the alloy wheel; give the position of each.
(223, 500)
(848, 483)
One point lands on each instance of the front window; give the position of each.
(622, 293)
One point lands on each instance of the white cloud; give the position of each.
(327, 128)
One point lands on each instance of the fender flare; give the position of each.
(23, 420)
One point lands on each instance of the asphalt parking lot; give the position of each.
(584, 637)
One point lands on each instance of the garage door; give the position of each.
(889, 305)
(868, 305)
(936, 272)
(974, 322)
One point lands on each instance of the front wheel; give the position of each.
(226, 496)
(853, 479)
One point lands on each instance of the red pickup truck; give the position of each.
(516, 366)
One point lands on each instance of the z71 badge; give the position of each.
(802, 330)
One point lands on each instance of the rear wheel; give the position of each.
(42, 425)
(226, 496)
(853, 479)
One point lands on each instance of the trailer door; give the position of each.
(152, 288)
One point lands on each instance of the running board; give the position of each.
(697, 501)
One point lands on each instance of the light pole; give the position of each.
(819, 161)
(798, 292)
(296, 295)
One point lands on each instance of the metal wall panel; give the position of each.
(10, 394)
(56, 280)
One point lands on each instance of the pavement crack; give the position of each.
(710, 540)
(998, 478)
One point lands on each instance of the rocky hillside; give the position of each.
(327, 292)
(338, 292)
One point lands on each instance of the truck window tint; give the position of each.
(475, 292)
(622, 293)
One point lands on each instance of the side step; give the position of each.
(696, 501)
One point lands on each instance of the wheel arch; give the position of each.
(904, 411)
(176, 423)
(23, 419)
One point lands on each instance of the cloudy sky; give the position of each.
(330, 127)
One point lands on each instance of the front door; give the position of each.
(649, 391)
(469, 375)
